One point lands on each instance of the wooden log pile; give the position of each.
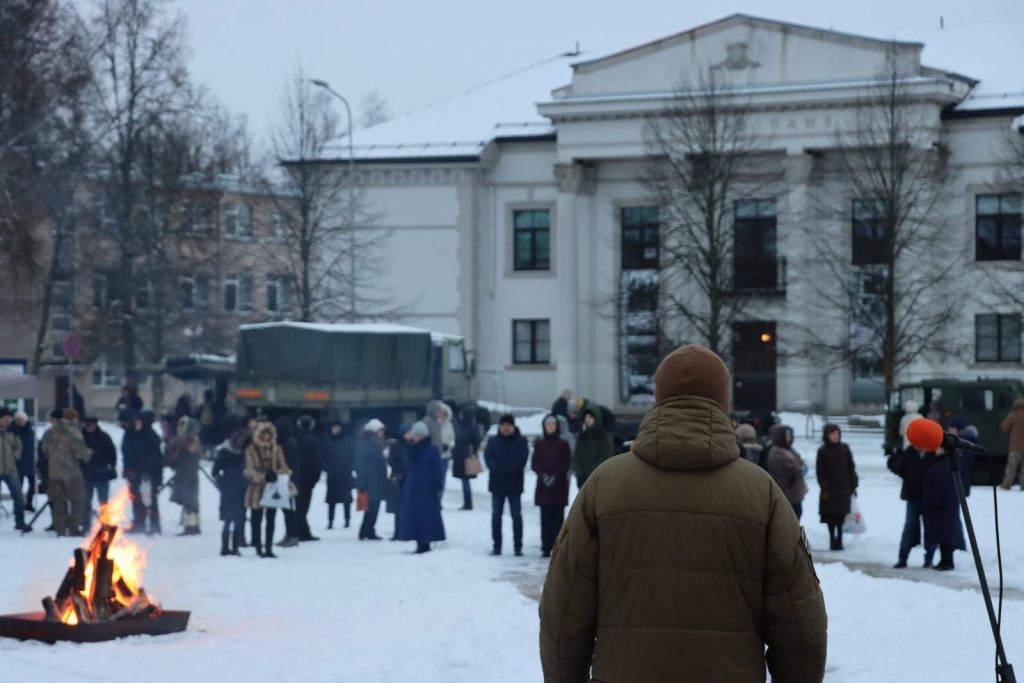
(89, 592)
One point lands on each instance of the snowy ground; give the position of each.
(345, 610)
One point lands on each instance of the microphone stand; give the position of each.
(1004, 670)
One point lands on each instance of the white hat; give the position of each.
(373, 425)
(420, 429)
(20, 415)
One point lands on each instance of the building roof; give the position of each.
(460, 126)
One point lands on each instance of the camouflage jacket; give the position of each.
(65, 451)
(10, 452)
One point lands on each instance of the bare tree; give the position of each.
(373, 109)
(43, 144)
(887, 179)
(334, 255)
(141, 83)
(704, 159)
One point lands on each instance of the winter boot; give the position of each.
(496, 534)
(234, 546)
(517, 534)
(269, 551)
(224, 538)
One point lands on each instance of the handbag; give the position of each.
(472, 466)
(362, 501)
(854, 522)
(276, 494)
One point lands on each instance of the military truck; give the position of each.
(349, 371)
(982, 402)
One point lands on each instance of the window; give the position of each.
(640, 228)
(102, 291)
(870, 236)
(997, 338)
(238, 293)
(531, 341)
(754, 260)
(102, 375)
(456, 357)
(277, 225)
(195, 292)
(237, 219)
(532, 236)
(279, 294)
(143, 294)
(195, 218)
(997, 225)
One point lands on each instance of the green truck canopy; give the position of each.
(325, 354)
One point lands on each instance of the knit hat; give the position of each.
(57, 414)
(70, 414)
(507, 418)
(373, 425)
(4, 412)
(693, 370)
(419, 429)
(20, 415)
(747, 435)
(404, 427)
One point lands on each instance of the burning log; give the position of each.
(81, 607)
(50, 609)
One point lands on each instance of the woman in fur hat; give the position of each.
(264, 460)
(182, 455)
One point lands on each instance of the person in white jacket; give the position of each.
(911, 412)
(438, 419)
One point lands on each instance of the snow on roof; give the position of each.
(463, 124)
(357, 328)
(460, 126)
(980, 51)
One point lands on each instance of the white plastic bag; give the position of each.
(854, 522)
(276, 494)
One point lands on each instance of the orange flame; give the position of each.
(128, 557)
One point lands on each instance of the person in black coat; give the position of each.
(561, 404)
(311, 455)
(911, 465)
(339, 459)
(837, 479)
(506, 456)
(552, 460)
(371, 475)
(293, 457)
(229, 473)
(467, 442)
(940, 507)
(23, 429)
(397, 453)
(101, 467)
(144, 470)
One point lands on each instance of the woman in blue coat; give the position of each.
(229, 473)
(424, 479)
(941, 507)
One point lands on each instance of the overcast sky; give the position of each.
(416, 51)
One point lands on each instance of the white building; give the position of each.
(515, 214)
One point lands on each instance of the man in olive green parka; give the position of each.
(680, 560)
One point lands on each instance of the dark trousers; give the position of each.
(912, 531)
(31, 488)
(581, 479)
(467, 493)
(101, 489)
(366, 529)
(515, 509)
(551, 519)
(330, 513)
(290, 524)
(256, 522)
(302, 503)
(798, 508)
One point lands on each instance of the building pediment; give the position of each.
(742, 51)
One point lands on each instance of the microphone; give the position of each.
(929, 436)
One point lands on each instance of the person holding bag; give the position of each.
(552, 461)
(264, 461)
(466, 463)
(837, 478)
(371, 475)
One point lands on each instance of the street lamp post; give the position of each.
(351, 199)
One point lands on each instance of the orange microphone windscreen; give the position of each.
(925, 434)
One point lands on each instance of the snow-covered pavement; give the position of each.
(344, 610)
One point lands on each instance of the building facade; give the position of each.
(539, 240)
(529, 229)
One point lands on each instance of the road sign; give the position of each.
(72, 346)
